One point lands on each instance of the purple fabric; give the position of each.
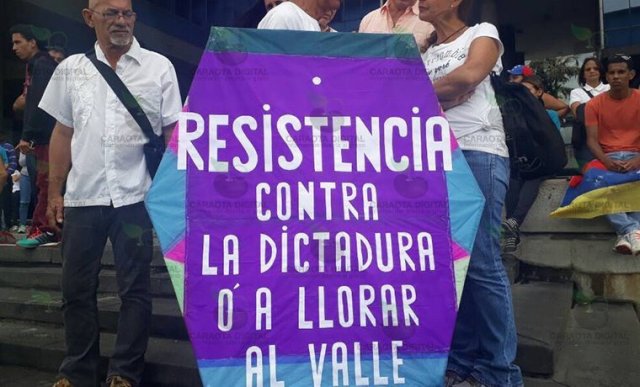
(220, 204)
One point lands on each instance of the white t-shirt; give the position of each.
(477, 123)
(579, 95)
(288, 16)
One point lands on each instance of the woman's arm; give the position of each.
(481, 59)
(551, 102)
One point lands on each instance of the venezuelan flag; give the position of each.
(600, 192)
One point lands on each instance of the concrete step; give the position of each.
(49, 278)
(51, 255)
(169, 363)
(588, 260)
(578, 252)
(542, 382)
(541, 310)
(45, 306)
(549, 198)
(25, 377)
(600, 347)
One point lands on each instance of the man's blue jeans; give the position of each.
(624, 222)
(85, 233)
(485, 342)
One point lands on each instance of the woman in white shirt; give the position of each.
(590, 80)
(459, 61)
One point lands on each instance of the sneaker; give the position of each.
(38, 238)
(64, 382)
(623, 246)
(510, 235)
(634, 241)
(14, 228)
(6, 238)
(21, 229)
(118, 381)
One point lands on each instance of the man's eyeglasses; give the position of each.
(113, 14)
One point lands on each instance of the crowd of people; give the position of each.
(66, 118)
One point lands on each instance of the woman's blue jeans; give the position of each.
(485, 341)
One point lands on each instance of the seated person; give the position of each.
(613, 136)
(519, 72)
(590, 79)
(523, 193)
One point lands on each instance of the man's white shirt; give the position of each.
(108, 165)
(288, 16)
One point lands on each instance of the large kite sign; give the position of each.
(315, 212)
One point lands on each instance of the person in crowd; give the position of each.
(6, 195)
(22, 186)
(326, 19)
(6, 238)
(523, 193)
(459, 61)
(398, 16)
(37, 127)
(252, 17)
(56, 46)
(298, 15)
(105, 189)
(590, 79)
(613, 136)
(519, 72)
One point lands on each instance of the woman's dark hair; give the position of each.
(252, 17)
(465, 11)
(535, 81)
(581, 79)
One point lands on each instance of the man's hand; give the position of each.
(19, 103)
(614, 165)
(631, 165)
(55, 211)
(24, 147)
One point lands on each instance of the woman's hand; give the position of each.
(448, 104)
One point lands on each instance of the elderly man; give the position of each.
(105, 188)
(399, 17)
(298, 15)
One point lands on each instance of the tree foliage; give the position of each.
(555, 72)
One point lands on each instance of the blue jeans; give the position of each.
(485, 342)
(25, 198)
(624, 222)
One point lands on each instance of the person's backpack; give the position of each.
(536, 148)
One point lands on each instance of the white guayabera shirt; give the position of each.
(108, 165)
(288, 16)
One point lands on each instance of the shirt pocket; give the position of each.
(150, 100)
